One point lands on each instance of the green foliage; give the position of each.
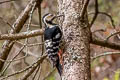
(105, 78)
(116, 76)
(1, 42)
(51, 78)
(95, 63)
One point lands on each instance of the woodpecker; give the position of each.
(52, 37)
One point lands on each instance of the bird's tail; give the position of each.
(59, 68)
(56, 63)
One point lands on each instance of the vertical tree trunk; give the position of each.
(76, 59)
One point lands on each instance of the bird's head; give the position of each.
(48, 19)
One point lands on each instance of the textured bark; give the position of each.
(76, 58)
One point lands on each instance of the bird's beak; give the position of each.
(56, 17)
(59, 16)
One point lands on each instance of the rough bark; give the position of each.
(76, 58)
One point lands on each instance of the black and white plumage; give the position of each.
(52, 37)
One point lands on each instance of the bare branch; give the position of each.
(40, 23)
(7, 1)
(39, 67)
(33, 68)
(21, 35)
(40, 32)
(39, 12)
(27, 68)
(39, 73)
(110, 17)
(34, 25)
(99, 30)
(104, 54)
(7, 23)
(96, 13)
(29, 45)
(6, 67)
(84, 9)
(17, 27)
(9, 61)
(112, 35)
(48, 74)
(103, 43)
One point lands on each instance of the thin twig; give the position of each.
(40, 23)
(33, 25)
(110, 17)
(49, 74)
(30, 18)
(27, 68)
(96, 13)
(29, 45)
(12, 60)
(18, 24)
(104, 54)
(36, 72)
(28, 29)
(39, 73)
(7, 1)
(112, 35)
(8, 61)
(6, 22)
(99, 12)
(99, 30)
(33, 68)
(39, 12)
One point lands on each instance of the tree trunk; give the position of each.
(76, 58)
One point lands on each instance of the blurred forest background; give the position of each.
(103, 68)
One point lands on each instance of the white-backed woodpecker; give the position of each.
(52, 37)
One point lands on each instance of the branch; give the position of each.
(39, 12)
(7, 1)
(104, 54)
(110, 17)
(40, 23)
(96, 13)
(6, 22)
(21, 35)
(27, 68)
(84, 9)
(49, 74)
(37, 71)
(6, 67)
(107, 44)
(112, 35)
(18, 24)
(40, 60)
(33, 33)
